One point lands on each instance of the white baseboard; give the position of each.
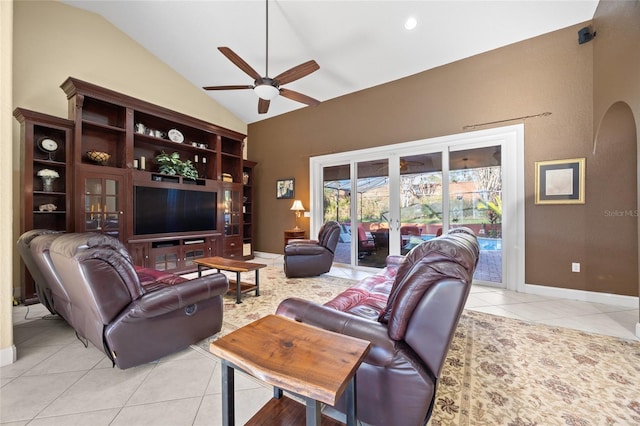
(638, 330)
(583, 296)
(8, 355)
(266, 255)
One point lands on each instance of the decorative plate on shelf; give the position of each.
(175, 136)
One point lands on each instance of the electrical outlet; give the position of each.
(575, 267)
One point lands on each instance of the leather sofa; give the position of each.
(409, 312)
(106, 303)
(307, 258)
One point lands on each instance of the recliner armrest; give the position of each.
(382, 347)
(304, 249)
(178, 296)
(302, 241)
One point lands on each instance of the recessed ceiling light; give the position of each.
(410, 23)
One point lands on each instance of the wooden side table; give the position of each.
(292, 234)
(316, 364)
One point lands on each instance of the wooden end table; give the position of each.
(237, 266)
(316, 364)
(293, 234)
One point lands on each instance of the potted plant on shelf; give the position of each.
(171, 164)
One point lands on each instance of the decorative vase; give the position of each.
(245, 178)
(47, 183)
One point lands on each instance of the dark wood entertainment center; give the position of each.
(97, 194)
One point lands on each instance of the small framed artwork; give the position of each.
(560, 181)
(284, 189)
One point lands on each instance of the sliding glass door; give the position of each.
(475, 201)
(389, 200)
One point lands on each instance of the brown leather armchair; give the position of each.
(111, 309)
(396, 383)
(307, 258)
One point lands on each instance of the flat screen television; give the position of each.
(167, 210)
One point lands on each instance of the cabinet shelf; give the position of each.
(49, 163)
(152, 140)
(53, 193)
(103, 127)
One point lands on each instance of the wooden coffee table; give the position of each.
(316, 364)
(237, 266)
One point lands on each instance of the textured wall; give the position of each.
(547, 73)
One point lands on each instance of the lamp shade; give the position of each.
(297, 205)
(266, 91)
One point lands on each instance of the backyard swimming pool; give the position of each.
(485, 243)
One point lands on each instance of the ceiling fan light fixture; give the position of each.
(266, 91)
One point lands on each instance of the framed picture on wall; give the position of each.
(284, 188)
(560, 181)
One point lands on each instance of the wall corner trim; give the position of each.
(8, 355)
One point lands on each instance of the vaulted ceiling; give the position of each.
(358, 44)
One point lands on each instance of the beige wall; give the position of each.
(7, 350)
(547, 73)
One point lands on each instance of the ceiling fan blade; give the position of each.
(297, 72)
(263, 105)
(298, 97)
(239, 62)
(227, 87)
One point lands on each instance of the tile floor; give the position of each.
(57, 381)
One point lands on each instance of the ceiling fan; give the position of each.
(268, 88)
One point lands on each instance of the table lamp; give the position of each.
(297, 207)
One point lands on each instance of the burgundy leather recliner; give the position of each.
(33, 247)
(307, 258)
(110, 308)
(410, 334)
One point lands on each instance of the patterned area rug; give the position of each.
(499, 371)
(274, 287)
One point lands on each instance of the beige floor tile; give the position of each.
(242, 382)
(247, 403)
(99, 389)
(606, 324)
(177, 412)
(500, 298)
(533, 311)
(28, 358)
(54, 334)
(184, 355)
(24, 397)
(497, 310)
(180, 379)
(93, 418)
(73, 357)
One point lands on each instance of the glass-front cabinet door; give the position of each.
(232, 211)
(103, 207)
